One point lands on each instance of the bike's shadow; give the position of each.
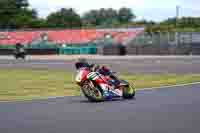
(105, 101)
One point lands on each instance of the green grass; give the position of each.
(18, 84)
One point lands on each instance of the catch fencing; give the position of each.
(165, 44)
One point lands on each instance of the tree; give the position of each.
(108, 16)
(21, 4)
(91, 18)
(64, 18)
(190, 23)
(16, 14)
(39, 23)
(102, 17)
(125, 15)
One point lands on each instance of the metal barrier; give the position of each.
(6, 51)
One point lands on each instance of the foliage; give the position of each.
(108, 17)
(183, 24)
(64, 18)
(16, 14)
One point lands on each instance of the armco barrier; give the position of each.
(114, 50)
(31, 51)
(157, 50)
(6, 51)
(42, 51)
(131, 50)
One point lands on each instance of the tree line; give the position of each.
(17, 14)
(183, 24)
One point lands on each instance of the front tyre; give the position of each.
(129, 91)
(91, 92)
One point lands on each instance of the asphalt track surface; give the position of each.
(171, 110)
(149, 64)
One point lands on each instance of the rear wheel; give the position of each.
(23, 56)
(129, 91)
(92, 92)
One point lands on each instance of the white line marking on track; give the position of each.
(144, 89)
(170, 86)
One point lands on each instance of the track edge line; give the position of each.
(170, 86)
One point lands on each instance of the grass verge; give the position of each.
(17, 84)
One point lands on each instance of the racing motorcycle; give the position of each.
(19, 51)
(93, 84)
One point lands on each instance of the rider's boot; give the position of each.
(116, 91)
(106, 92)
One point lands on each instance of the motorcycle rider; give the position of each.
(100, 69)
(19, 51)
(104, 70)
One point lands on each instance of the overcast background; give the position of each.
(156, 10)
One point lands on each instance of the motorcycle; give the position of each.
(93, 84)
(19, 52)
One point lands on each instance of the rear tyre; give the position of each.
(92, 93)
(23, 56)
(129, 91)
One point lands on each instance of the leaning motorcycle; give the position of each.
(92, 85)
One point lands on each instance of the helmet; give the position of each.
(18, 45)
(82, 62)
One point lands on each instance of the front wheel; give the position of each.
(91, 92)
(129, 91)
